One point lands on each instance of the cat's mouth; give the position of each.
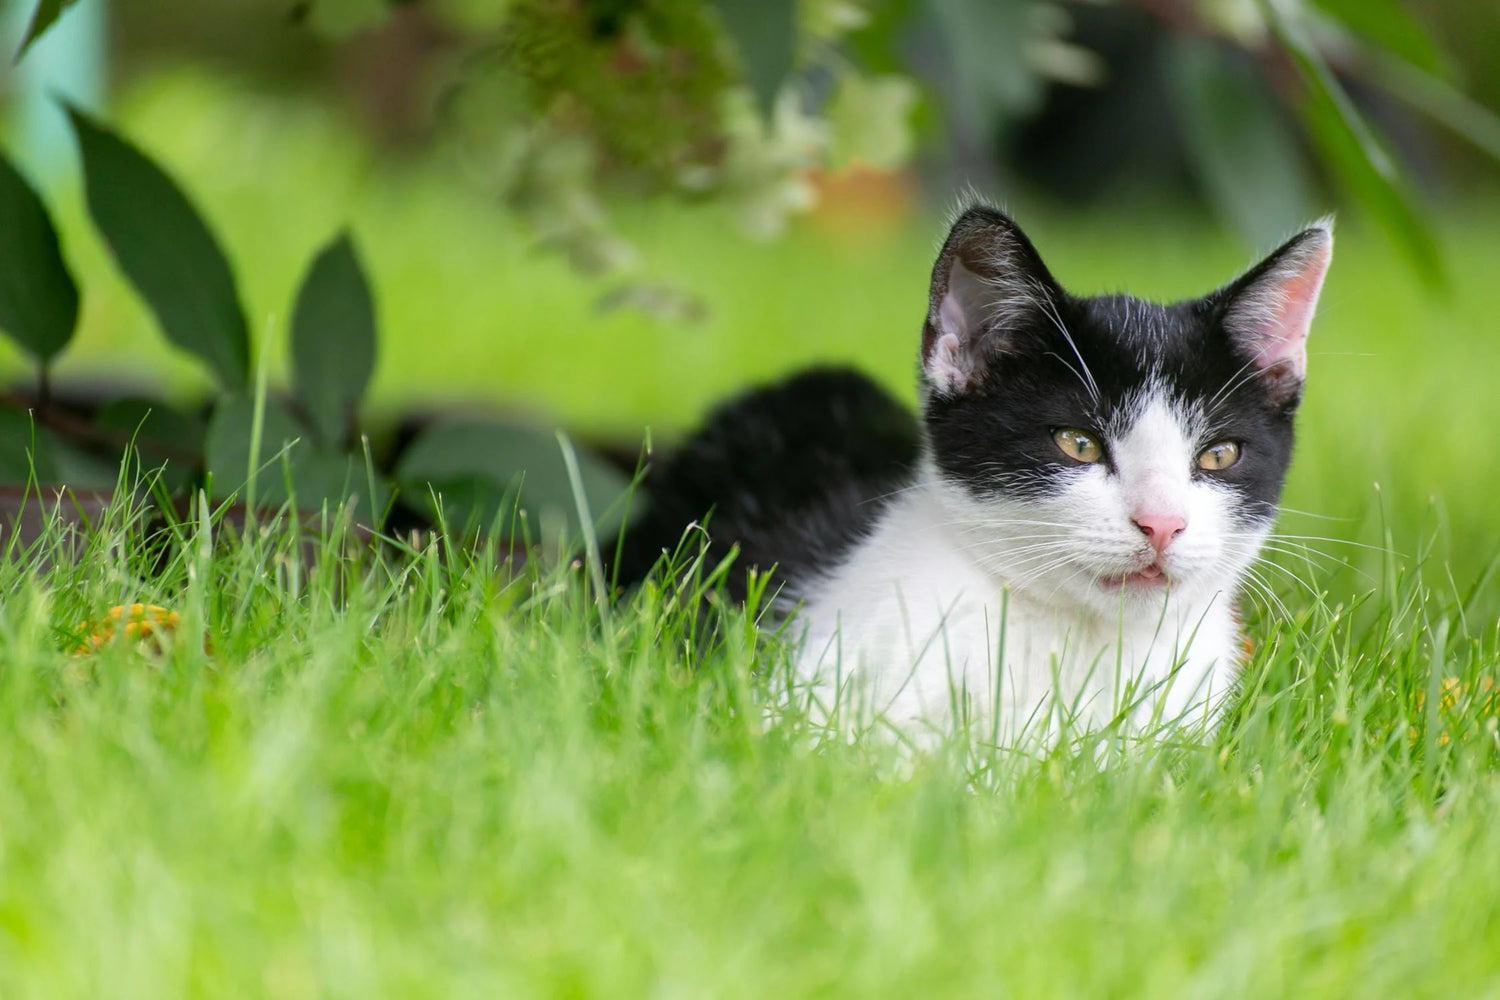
(1151, 576)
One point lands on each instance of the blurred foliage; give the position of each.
(305, 452)
(564, 107)
(564, 110)
(572, 113)
(46, 14)
(38, 298)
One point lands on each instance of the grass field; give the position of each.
(418, 776)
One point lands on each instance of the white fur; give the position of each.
(992, 612)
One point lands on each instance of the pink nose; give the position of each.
(1160, 529)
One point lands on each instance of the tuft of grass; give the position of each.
(420, 770)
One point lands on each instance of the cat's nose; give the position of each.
(1160, 529)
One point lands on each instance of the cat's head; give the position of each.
(1106, 449)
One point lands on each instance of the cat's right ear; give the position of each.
(988, 279)
(1267, 313)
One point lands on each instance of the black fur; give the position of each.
(793, 473)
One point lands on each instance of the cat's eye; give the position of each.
(1078, 445)
(1218, 457)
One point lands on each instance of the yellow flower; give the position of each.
(145, 623)
(1454, 697)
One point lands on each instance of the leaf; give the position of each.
(1439, 100)
(987, 55)
(25, 447)
(226, 449)
(1386, 24)
(38, 298)
(341, 18)
(1248, 161)
(333, 339)
(1384, 198)
(1352, 151)
(871, 121)
(165, 250)
(764, 33)
(45, 16)
(289, 467)
(486, 470)
(320, 475)
(161, 435)
(81, 469)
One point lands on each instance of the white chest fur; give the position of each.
(913, 629)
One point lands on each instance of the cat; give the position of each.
(1059, 540)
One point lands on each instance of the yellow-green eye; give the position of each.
(1218, 457)
(1078, 445)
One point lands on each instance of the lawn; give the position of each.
(416, 775)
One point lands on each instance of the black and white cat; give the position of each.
(1060, 539)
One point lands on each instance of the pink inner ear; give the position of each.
(1299, 300)
(1280, 314)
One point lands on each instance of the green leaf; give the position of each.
(341, 18)
(486, 470)
(1247, 159)
(987, 43)
(333, 340)
(25, 447)
(320, 475)
(871, 121)
(878, 46)
(289, 467)
(1438, 99)
(165, 250)
(165, 438)
(38, 298)
(1352, 151)
(46, 14)
(1385, 199)
(1386, 24)
(82, 469)
(764, 33)
(226, 449)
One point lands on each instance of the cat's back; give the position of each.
(793, 473)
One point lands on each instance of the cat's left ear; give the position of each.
(1268, 312)
(987, 283)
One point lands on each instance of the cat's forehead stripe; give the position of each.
(1156, 401)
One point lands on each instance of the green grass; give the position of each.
(419, 775)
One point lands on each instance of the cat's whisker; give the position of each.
(1312, 591)
(899, 491)
(1331, 563)
(1255, 577)
(1044, 300)
(1322, 560)
(1006, 562)
(1241, 377)
(1005, 522)
(1261, 592)
(1320, 517)
(1278, 536)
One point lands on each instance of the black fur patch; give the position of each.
(793, 473)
